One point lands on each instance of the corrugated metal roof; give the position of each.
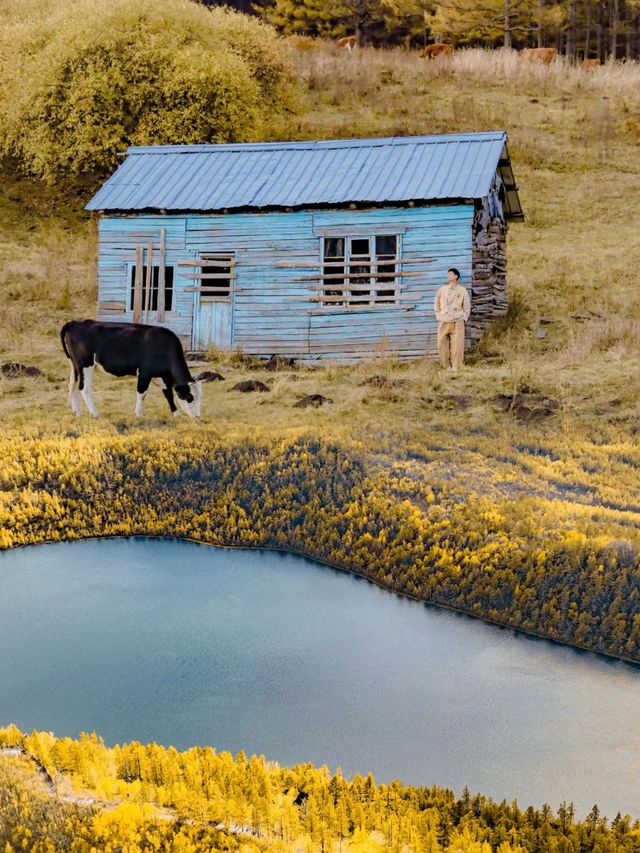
(301, 174)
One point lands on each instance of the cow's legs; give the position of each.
(142, 387)
(74, 400)
(86, 389)
(168, 393)
(139, 401)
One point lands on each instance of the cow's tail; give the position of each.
(75, 373)
(63, 333)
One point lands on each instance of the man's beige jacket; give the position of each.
(452, 303)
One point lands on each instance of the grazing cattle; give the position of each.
(128, 349)
(546, 55)
(348, 41)
(588, 64)
(431, 51)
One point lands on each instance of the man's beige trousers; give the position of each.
(451, 343)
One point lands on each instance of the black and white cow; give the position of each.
(128, 349)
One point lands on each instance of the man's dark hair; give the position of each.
(454, 271)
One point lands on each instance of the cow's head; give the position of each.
(190, 398)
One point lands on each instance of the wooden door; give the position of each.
(213, 323)
(213, 316)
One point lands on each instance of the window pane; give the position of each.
(168, 288)
(216, 287)
(333, 286)
(155, 275)
(359, 274)
(386, 245)
(333, 247)
(359, 246)
(132, 290)
(386, 251)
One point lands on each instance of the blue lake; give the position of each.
(169, 641)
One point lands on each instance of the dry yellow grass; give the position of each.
(572, 332)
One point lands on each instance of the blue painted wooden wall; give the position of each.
(273, 313)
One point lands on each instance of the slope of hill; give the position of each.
(572, 331)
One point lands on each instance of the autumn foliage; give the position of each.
(82, 81)
(149, 797)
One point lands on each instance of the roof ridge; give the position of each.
(373, 141)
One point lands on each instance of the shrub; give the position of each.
(85, 81)
(267, 57)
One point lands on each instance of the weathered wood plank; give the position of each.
(149, 285)
(210, 276)
(367, 300)
(214, 291)
(112, 305)
(358, 275)
(353, 287)
(162, 278)
(315, 264)
(137, 290)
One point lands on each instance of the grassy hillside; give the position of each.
(572, 331)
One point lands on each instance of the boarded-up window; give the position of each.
(153, 303)
(216, 276)
(360, 270)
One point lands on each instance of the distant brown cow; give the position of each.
(431, 51)
(348, 41)
(546, 55)
(589, 63)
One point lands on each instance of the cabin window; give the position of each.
(359, 271)
(168, 288)
(215, 275)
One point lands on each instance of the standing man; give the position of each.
(452, 307)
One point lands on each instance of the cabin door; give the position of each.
(213, 314)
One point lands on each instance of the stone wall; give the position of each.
(489, 273)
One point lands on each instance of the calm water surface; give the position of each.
(172, 642)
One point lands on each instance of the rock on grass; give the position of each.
(210, 376)
(249, 385)
(280, 362)
(379, 381)
(314, 400)
(15, 370)
(527, 407)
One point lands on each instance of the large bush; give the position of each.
(85, 80)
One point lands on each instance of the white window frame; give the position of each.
(375, 299)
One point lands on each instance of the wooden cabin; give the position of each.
(328, 249)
